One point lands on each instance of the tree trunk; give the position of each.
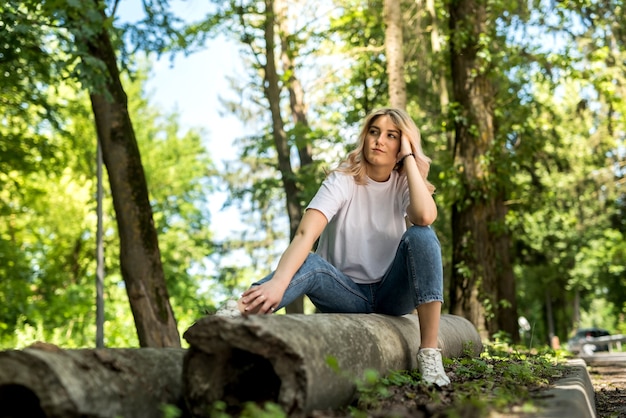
(305, 362)
(575, 324)
(99, 252)
(439, 76)
(296, 92)
(482, 283)
(549, 318)
(298, 111)
(272, 93)
(392, 15)
(44, 381)
(140, 258)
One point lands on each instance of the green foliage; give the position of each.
(29, 65)
(600, 314)
(44, 253)
(249, 410)
(561, 244)
(48, 249)
(358, 35)
(268, 410)
(171, 411)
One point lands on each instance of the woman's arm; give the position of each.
(262, 298)
(422, 209)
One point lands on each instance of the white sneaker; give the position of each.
(430, 366)
(229, 309)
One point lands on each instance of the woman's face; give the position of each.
(381, 147)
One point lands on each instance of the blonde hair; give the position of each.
(354, 164)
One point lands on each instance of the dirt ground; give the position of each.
(408, 400)
(608, 375)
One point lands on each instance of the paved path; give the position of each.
(608, 376)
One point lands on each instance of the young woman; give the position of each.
(367, 261)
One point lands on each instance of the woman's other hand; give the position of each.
(264, 298)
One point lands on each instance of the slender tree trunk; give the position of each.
(550, 318)
(392, 15)
(439, 75)
(273, 14)
(272, 93)
(292, 82)
(140, 258)
(99, 253)
(482, 282)
(298, 110)
(576, 309)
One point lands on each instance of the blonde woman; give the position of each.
(367, 261)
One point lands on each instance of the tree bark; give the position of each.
(305, 362)
(482, 283)
(47, 382)
(296, 92)
(298, 112)
(140, 258)
(440, 84)
(394, 49)
(272, 93)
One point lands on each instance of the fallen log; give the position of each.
(48, 382)
(304, 362)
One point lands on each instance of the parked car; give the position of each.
(581, 341)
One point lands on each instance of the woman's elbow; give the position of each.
(423, 219)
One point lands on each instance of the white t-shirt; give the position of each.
(365, 223)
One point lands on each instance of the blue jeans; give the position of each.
(414, 277)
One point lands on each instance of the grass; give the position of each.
(502, 379)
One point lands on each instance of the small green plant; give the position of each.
(170, 411)
(267, 410)
(468, 349)
(218, 410)
(249, 410)
(371, 388)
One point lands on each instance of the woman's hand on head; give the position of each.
(406, 146)
(264, 298)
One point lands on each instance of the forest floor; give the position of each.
(465, 397)
(471, 394)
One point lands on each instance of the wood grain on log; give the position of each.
(46, 381)
(285, 358)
